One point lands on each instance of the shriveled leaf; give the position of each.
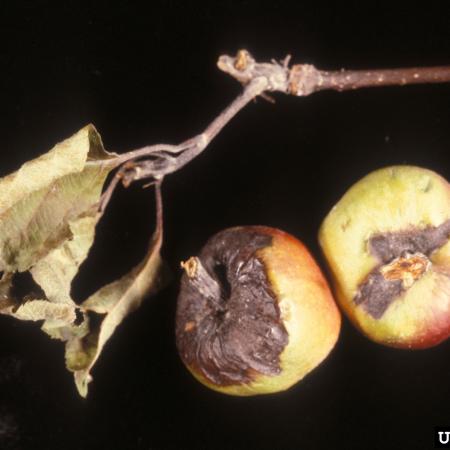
(38, 202)
(63, 331)
(115, 300)
(33, 309)
(42, 310)
(55, 272)
(48, 213)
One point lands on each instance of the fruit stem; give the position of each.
(202, 281)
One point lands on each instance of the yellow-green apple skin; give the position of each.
(403, 209)
(306, 314)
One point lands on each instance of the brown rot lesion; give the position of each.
(404, 258)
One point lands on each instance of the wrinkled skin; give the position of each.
(260, 323)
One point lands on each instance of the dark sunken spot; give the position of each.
(239, 332)
(377, 292)
(388, 246)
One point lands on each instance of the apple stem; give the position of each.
(201, 280)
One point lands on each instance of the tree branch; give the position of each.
(305, 79)
(156, 161)
(162, 159)
(355, 79)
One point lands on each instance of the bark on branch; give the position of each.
(305, 79)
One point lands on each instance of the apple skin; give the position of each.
(393, 203)
(305, 305)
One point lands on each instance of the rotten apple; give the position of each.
(254, 312)
(387, 245)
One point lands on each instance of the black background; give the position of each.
(145, 73)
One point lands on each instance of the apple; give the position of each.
(387, 246)
(254, 313)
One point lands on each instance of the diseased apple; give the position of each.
(387, 245)
(254, 313)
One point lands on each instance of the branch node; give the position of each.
(304, 79)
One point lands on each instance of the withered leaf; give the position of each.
(42, 310)
(40, 201)
(115, 301)
(48, 214)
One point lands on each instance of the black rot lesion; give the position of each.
(403, 259)
(238, 334)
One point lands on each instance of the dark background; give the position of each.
(145, 73)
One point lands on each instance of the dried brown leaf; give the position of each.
(40, 201)
(48, 214)
(115, 301)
